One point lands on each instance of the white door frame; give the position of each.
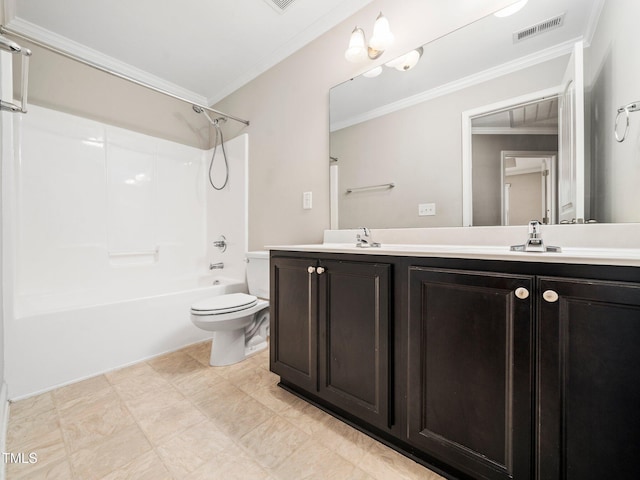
(467, 117)
(547, 186)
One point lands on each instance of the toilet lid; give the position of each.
(228, 303)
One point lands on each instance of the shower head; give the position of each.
(198, 109)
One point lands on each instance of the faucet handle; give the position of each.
(534, 229)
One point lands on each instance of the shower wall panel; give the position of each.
(99, 207)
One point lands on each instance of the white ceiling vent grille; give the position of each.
(538, 28)
(279, 5)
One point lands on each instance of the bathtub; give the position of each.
(59, 339)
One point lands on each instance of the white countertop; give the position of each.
(589, 256)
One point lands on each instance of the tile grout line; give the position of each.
(137, 422)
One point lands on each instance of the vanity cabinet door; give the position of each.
(354, 322)
(589, 380)
(294, 321)
(470, 370)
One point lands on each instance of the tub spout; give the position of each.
(213, 266)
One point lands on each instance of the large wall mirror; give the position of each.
(501, 122)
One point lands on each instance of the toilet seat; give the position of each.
(223, 304)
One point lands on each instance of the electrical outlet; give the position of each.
(425, 209)
(307, 200)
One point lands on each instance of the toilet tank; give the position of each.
(258, 273)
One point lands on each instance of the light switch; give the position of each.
(307, 199)
(425, 209)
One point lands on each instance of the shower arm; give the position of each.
(5, 30)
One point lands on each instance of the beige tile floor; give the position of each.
(175, 417)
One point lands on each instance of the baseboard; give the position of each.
(4, 424)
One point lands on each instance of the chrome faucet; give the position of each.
(221, 243)
(534, 243)
(218, 265)
(364, 239)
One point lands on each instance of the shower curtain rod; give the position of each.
(8, 31)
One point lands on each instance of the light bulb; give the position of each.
(357, 50)
(382, 37)
(409, 60)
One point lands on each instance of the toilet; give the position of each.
(239, 321)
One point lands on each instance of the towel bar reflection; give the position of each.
(370, 187)
(631, 107)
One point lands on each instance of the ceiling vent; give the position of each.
(538, 28)
(279, 5)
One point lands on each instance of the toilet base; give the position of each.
(253, 349)
(227, 348)
(231, 348)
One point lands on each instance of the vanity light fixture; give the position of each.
(511, 9)
(382, 38)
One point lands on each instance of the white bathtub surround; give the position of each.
(227, 213)
(100, 208)
(106, 236)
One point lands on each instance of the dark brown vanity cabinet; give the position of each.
(588, 405)
(294, 321)
(489, 370)
(330, 332)
(470, 370)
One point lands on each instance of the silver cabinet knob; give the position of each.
(522, 293)
(320, 270)
(311, 269)
(550, 296)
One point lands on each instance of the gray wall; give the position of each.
(486, 170)
(613, 79)
(62, 84)
(419, 148)
(289, 111)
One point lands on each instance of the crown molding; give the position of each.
(536, 58)
(64, 44)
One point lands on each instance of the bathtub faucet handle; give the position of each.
(218, 265)
(221, 243)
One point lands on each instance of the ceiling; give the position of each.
(542, 115)
(200, 50)
(480, 51)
